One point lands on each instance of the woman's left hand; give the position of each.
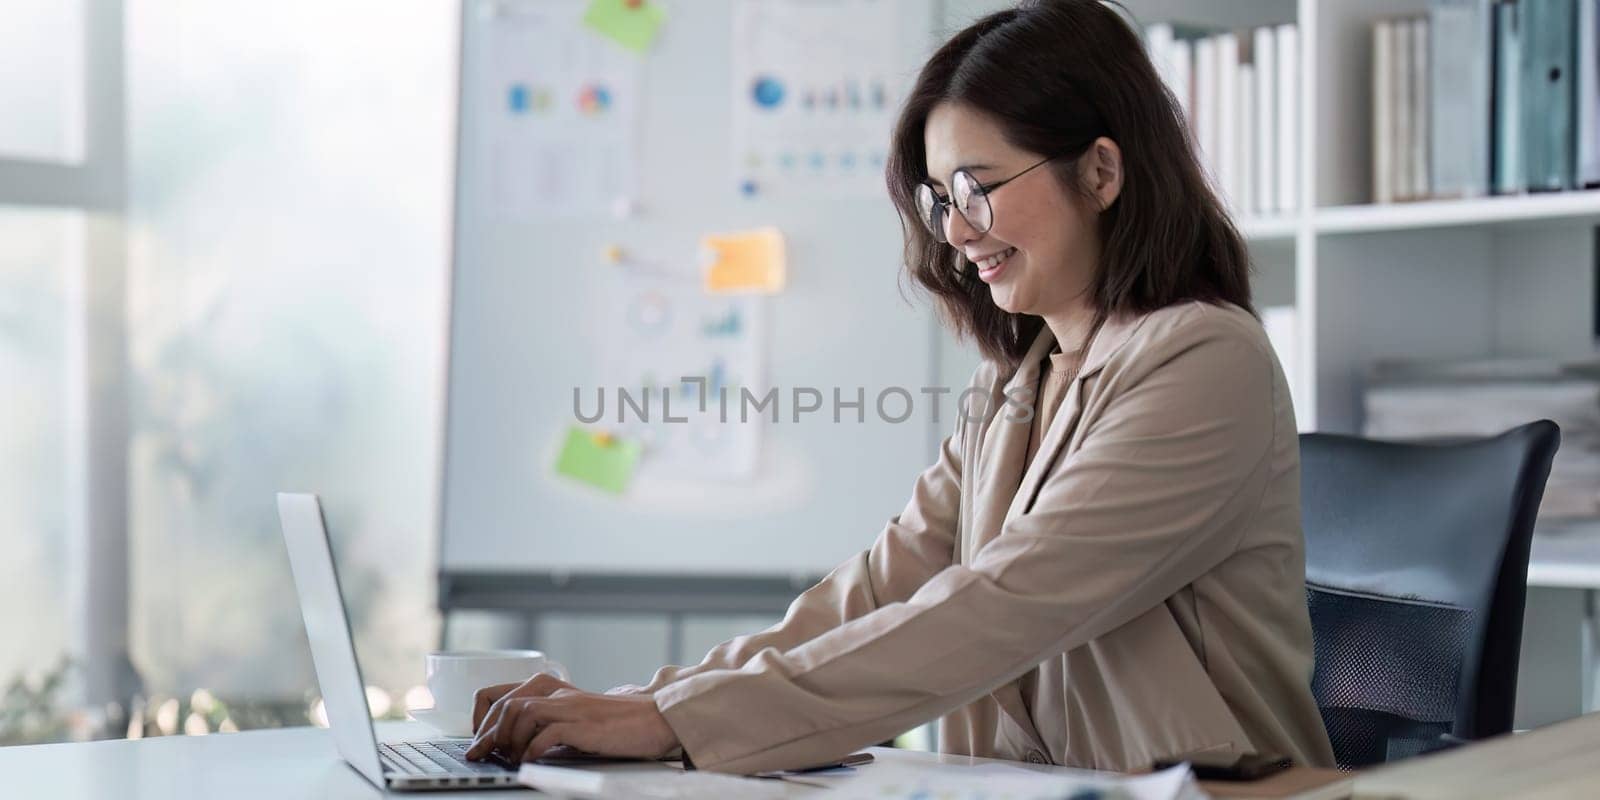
(544, 712)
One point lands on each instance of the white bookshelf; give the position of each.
(1485, 276)
(1429, 279)
(1555, 207)
(1473, 277)
(1265, 229)
(1489, 276)
(1510, 212)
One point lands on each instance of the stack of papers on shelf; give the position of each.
(1410, 400)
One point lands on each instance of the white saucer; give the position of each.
(449, 723)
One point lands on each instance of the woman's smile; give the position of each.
(990, 267)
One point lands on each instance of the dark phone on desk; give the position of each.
(852, 760)
(1227, 767)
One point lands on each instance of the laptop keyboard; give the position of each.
(443, 757)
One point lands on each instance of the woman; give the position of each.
(1110, 576)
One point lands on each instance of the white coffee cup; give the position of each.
(455, 676)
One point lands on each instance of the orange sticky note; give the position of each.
(748, 262)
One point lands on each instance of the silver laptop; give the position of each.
(436, 764)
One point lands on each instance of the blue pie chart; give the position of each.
(767, 91)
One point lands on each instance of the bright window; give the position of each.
(42, 80)
(288, 240)
(39, 249)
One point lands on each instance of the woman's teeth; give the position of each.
(994, 261)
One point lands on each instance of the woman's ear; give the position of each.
(1101, 171)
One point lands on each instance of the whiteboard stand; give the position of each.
(532, 595)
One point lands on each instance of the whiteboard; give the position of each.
(530, 291)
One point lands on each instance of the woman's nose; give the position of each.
(957, 230)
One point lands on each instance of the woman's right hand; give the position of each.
(540, 685)
(485, 697)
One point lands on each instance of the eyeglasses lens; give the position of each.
(972, 200)
(932, 211)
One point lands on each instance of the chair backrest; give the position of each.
(1416, 574)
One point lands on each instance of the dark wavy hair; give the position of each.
(1056, 75)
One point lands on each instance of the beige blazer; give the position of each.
(1138, 591)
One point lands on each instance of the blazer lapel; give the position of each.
(1113, 334)
(1001, 449)
(1065, 419)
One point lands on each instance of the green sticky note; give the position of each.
(631, 23)
(600, 461)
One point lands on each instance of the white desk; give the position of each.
(1567, 556)
(267, 765)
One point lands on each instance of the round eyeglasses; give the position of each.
(970, 197)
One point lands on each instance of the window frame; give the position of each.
(97, 363)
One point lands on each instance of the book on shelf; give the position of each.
(1162, 43)
(1405, 108)
(1460, 72)
(1420, 105)
(1548, 57)
(1172, 49)
(1225, 160)
(1507, 137)
(1383, 104)
(1587, 90)
(1182, 56)
(1266, 102)
(1287, 44)
(1237, 90)
(1486, 97)
(1205, 102)
(1244, 186)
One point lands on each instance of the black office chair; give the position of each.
(1416, 574)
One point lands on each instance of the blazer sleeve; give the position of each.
(913, 547)
(1152, 499)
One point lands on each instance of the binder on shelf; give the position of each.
(1548, 56)
(1588, 95)
(1287, 57)
(1266, 121)
(1461, 118)
(1420, 104)
(1383, 118)
(1507, 101)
